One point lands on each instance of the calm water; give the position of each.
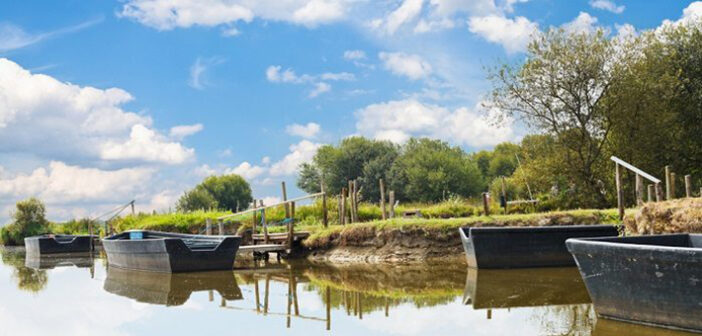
(81, 296)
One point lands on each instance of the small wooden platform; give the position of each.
(280, 237)
(263, 248)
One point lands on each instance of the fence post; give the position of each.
(285, 198)
(659, 192)
(343, 206)
(650, 193)
(220, 226)
(486, 203)
(504, 194)
(382, 200)
(253, 218)
(392, 203)
(688, 186)
(355, 201)
(672, 185)
(639, 190)
(351, 193)
(668, 192)
(291, 226)
(620, 201)
(325, 219)
(264, 222)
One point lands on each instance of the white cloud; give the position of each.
(182, 131)
(266, 160)
(607, 5)
(354, 55)
(319, 88)
(399, 120)
(167, 14)
(246, 170)
(691, 14)
(61, 183)
(198, 69)
(338, 76)
(308, 131)
(146, 145)
(583, 23)
(14, 37)
(410, 66)
(205, 170)
(42, 116)
(230, 32)
(300, 153)
(425, 26)
(475, 7)
(513, 34)
(269, 200)
(408, 11)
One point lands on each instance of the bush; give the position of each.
(28, 220)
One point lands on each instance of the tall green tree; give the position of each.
(29, 219)
(225, 192)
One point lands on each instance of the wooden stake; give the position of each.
(208, 226)
(659, 192)
(486, 203)
(672, 185)
(668, 192)
(253, 219)
(688, 186)
(264, 223)
(342, 207)
(355, 201)
(392, 203)
(504, 193)
(620, 200)
(639, 190)
(325, 219)
(220, 227)
(285, 198)
(650, 193)
(382, 200)
(351, 201)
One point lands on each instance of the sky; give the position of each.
(102, 102)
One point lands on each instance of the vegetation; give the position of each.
(28, 220)
(226, 192)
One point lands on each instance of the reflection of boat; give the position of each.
(615, 328)
(53, 261)
(524, 287)
(647, 279)
(51, 244)
(518, 247)
(171, 252)
(169, 289)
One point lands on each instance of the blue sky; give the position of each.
(105, 101)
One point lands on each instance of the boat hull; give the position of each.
(655, 280)
(523, 247)
(169, 253)
(39, 245)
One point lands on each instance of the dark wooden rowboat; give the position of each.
(171, 252)
(525, 287)
(54, 244)
(521, 247)
(655, 280)
(169, 289)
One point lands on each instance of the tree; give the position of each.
(431, 170)
(225, 192)
(563, 89)
(28, 220)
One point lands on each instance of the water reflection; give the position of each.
(45, 262)
(27, 279)
(524, 288)
(606, 327)
(170, 289)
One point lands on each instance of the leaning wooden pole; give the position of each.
(382, 200)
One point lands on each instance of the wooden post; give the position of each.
(211, 295)
(486, 203)
(132, 203)
(285, 198)
(355, 201)
(639, 190)
(220, 226)
(700, 191)
(291, 232)
(264, 223)
(659, 192)
(672, 185)
(253, 219)
(382, 200)
(325, 219)
(342, 209)
(265, 294)
(208, 226)
(688, 186)
(392, 203)
(504, 193)
(668, 192)
(650, 193)
(620, 200)
(351, 201)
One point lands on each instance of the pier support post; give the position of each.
(688, 186)
(264, 223)
(285, 198)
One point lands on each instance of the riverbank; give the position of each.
(411, 240)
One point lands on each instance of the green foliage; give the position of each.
(28, 220)
(75, 226)
(226, 192)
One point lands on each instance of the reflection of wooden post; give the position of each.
(650, 193)
(489, 314)
(328, 300)
(258, 301)
(382, 200)
(90, 233)
(265, 294)
(289, 303)
(387, 308)
(391, 202)
(211, 295)
(688, 186)
(668, 192)
(222, 302)
(293, 280)
(360, 306)
(620, 201)
(639, 190)
(208, 226)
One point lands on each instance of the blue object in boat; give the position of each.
(138, 235)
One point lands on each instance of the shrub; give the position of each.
(28, 220)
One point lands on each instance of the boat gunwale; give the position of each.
(534, 229)
(599, 241)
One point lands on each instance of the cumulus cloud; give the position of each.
(318, 89)
(407, 12)
(198, 69)
(399, 120)
(583, 23)
(246, 170)
(513, 34)
(167, 14)
(607, 5)
(401, 64)
(308, 131)
(42, 116)
(300, 153)
(182, 131)
(62, 183)
(691, 14)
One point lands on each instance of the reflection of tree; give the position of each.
(568, 320)
(28, 279)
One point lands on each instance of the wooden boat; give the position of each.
(520, 247)
(655, 280)
(525, 287)
(170, 252)
(53, 244)
(169, 289)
